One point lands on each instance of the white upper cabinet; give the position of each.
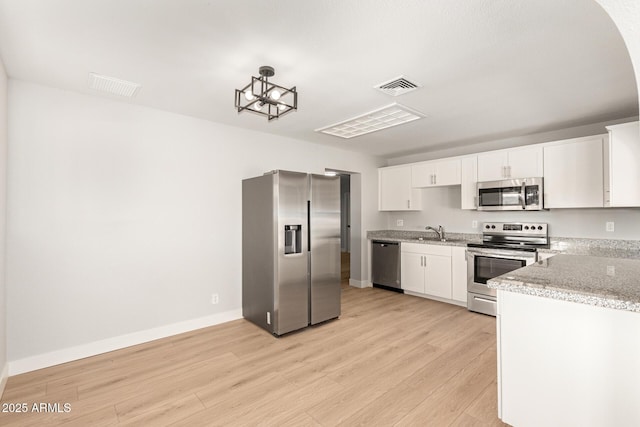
(436, 173)
(589, 172)
(622, 166)
(514, 163)
(573, 173)
(395, 192)
(469, 182)
(492, 166)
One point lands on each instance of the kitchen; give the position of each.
(101, 191)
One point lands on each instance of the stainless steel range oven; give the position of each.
(505, 247)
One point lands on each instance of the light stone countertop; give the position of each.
(559, 245)
(425, 237)
(599, 272)
(593, 280)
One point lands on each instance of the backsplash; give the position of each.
(441, 206)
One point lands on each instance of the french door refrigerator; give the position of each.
(290, 250)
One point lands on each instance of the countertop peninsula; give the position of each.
(593, 280)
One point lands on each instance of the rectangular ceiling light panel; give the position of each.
(113, 85)
(382, 118)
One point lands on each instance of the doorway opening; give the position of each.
(345, 228)
(350, 224)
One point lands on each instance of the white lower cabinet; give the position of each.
(563, 363)
(426, 269)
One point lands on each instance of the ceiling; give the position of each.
(489, 69)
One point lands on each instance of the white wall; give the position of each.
(123, 219)
(3, 220)
(537, 138)
(441, 206)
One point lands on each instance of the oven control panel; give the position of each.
(515, 228)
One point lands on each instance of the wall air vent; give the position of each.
(382, 118)
(398, 86)
(113, 85)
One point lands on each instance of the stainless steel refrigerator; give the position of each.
(290, 250)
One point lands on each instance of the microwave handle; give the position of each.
(522, 195)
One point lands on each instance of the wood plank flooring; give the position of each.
(390, 359)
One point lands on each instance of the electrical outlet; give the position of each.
(610, 226)
(474, 224)
(215, 299)
(400, 223)
(611, 270)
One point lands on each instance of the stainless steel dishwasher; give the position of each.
(385, 265)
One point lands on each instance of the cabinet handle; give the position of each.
(435, 179)
(504, 171)
(508, 171)
(409, 204)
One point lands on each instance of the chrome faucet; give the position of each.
(439, 230)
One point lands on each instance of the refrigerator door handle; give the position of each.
(309, 225)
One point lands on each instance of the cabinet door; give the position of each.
(469, 182)
(573, 174)
(394, 190)
(623, 166)
(459, 274)
(436, 173)
(423, 174)
(412, 272)
(438, 276)
(448, 172)
(525, 163)
(492, 166)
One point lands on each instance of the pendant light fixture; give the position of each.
(266, 98)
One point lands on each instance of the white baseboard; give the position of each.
(4, 376)
(360, 283)
(57, 357)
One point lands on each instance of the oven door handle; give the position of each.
(499, 254)
(484, 299)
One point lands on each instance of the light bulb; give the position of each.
(275, 94)
(281, 107)
(257, 106)
(248, 95)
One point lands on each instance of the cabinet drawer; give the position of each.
(426, 249)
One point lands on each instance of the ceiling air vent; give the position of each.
(113, 85)
(398, 86)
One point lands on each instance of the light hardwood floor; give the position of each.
(390, 359)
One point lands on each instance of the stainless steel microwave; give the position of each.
(511, 195)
